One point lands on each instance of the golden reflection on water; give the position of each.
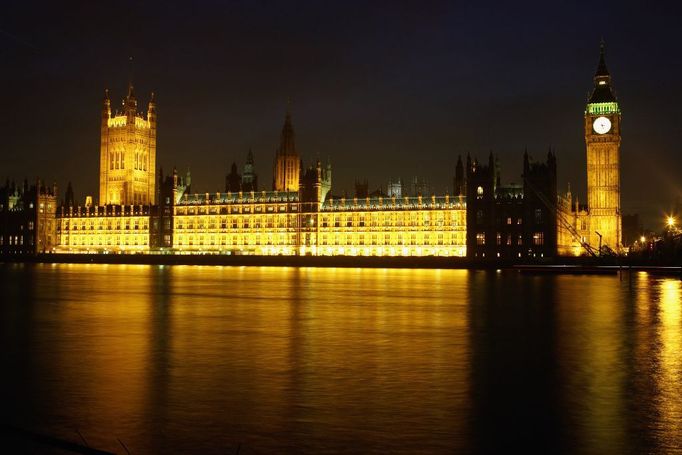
(200, 359)
(217, 356)
(591, 353)
(669, 377)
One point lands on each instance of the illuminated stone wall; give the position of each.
(410, 226)
(264, 223)
(103, 229)
(603, 181)
(272, 223)
(127, 154)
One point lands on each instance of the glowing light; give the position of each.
(671, 221)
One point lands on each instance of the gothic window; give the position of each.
(480, 239)
(479, 217)
(538, 238)
(111, 161)
(538, 216)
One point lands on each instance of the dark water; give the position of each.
(205, 359)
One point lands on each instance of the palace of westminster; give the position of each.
(140, 210)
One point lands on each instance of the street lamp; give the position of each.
(671, 221)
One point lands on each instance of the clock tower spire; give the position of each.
(602, 140)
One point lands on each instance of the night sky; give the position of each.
(384, 91)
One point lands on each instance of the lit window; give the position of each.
(480, 238)
(538, 238)
(479, 191)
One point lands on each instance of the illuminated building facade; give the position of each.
(598, 225)
(303, 221)
(307, 222)
(27, 218)
(111, 228)
(127, 171)
(140, 212)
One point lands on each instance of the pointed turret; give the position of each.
(151, 108)
(287, 172)
(459, 177)
(69, 200)
(249, 177)
(106, 105)
(130, 104)
(602, 81)
(287, 143)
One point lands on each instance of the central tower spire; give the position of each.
(287, 163)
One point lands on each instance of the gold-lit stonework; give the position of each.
(113, 229)
(598, 224)
(127, 154)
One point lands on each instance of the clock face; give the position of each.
(602, 125)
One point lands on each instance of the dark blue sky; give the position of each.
(384, 90)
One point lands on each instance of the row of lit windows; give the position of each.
(347, 219)
(510, 239)
(233, 240)
(235, 222)
(232, 209)
(117, 161)
(15, 240)
(109, 240)
(394, 239)
(391, 251)
(392, 218)
(108, 224)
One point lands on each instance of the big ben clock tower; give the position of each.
(602, 139)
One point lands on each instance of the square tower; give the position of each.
(128, 154)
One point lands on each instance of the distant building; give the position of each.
(459, 186)
(361, 188)
(395, 188)
(233, 181)
(27, 218)
(420, 187)
(249, 176)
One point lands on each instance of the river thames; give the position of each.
(190, 359)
